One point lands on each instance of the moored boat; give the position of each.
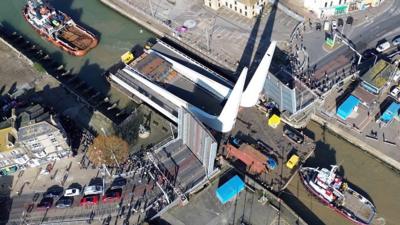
(334, 192)
(58, 28)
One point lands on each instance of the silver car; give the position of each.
(396, 41)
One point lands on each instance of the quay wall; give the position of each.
(162, 30)
(356, 141)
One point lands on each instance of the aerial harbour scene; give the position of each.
(200, 112)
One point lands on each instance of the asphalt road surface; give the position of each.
(386, 26)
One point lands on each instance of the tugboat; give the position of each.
(58, 28)
(334, 192)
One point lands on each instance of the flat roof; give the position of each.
(379, 74)
(347, 107)
(230, 189)
(392, 111)
(365, 96)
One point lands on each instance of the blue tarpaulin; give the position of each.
(347, 107)
(390, 112)
(230, 189)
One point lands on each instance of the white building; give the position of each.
(247, 8)
(327, 8)
(29, 138)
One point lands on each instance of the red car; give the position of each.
(90, 200)
(112, 195)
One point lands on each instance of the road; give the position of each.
(384, 26)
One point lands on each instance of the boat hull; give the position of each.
(326, 202)
(64, 47)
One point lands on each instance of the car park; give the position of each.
(89, 200)
(383, 46)
(112, 195)
(396, 41)
(45, 203)
(72, 192)
(64, 202)
(93, 190)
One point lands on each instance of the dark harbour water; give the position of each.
(117, 34)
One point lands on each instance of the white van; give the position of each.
(383, 47)
(327, 26)
(93, 190)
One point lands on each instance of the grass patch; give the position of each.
(39, 67)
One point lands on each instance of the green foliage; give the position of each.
(38, 67)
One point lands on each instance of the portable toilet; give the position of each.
(127, 57)
(274, 121)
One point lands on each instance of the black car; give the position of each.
(54, 193)
(118, 182)
(340, 22)
(318, 26)
(45, 203)
(64, 202)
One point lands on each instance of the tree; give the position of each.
(108, 150)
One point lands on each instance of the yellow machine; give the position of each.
(127, 57)
(292, 162)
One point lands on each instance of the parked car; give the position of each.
(45, 203)
(53, 193)
(396, 41)
(112, 195)
(318, 26)
(334, 25)
(395, 92)
(93, 190)
(383, 46)
(340, 22)
(349, 20)
(64, 202)
(118, 182)
(89, 200)
(327, 26)
(72, 192)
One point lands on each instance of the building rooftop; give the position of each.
(366, 97)
(5, 138)
(35, 130)
(379, 74)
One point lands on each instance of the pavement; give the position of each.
(252, 126)
(219, 36)
(27, 75)
(246, 208)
